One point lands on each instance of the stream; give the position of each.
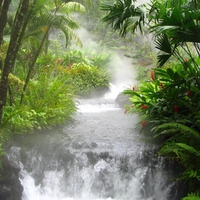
(98, 156)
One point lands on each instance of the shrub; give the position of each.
(87, 79)
(50, 97)
(168, 104)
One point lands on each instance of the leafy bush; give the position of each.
(75, 56)
(18, 119)
(94, 59)
(171, 94)
(50, 97)
(87, 79)
(192, 196)
(48, 101)
(87, 75)
(168, 104)
(15, 86)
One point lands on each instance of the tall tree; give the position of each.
(27, 14)
(17, 33)
(40, 26)
(4, 7)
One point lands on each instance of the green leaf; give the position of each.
(192, 196)
(189, 149)
(163, 44)
(194, 89)
(170, 73)
(162, 59)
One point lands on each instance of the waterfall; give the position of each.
(98, 156)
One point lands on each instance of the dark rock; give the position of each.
(10, 185)
(122, 100)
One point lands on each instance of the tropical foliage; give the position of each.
(169, 108)
(88, 79)
(50, 96)
(29, 34)
(168, 102)
(38, 86)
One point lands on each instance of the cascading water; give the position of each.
(99, 155)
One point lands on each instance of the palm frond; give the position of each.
(163, 44)
(71, 7)
(165, 47)
(124, 16)
(70, 35)
(106, 6)
(162, 59)
(38, 5)
(67, 25)
(38, 24)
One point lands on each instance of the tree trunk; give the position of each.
(15, 42)
(3, 16)
(32, 63)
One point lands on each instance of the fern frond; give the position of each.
(170, 150)
(180, 151)
(192, 196)
(188, 149)
(191, 173)
(173, 127)
(166, 132)
(39, 5)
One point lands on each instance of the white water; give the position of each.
(100, 156)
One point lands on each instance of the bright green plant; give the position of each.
(49, 101)
(171, 94)
(46, 60)
(168, 104)
(18, 120)
(96, 59)
(87, 72)
(100, 59)
(87, 79)
(192, 196)
(182, 144)
(51, 97)
(74, 56)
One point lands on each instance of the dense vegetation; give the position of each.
(168, 102)
(41, 76)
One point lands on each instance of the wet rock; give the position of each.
(122, 100)
(10, 185)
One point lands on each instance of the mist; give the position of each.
(121, 68)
